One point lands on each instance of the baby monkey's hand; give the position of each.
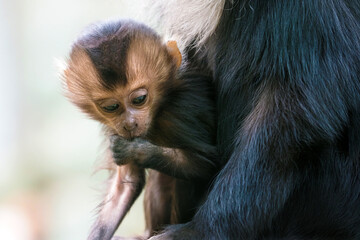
(137, 151)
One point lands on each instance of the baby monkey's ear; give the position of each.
(174, 52)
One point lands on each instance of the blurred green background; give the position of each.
(48, 149)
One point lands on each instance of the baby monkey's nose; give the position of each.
(130, 125)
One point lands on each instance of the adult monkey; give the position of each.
(287, 74)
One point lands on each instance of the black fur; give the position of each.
(287, 78)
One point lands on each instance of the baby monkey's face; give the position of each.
(122, 77)
(127, 111)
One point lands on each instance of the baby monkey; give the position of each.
(156, 115)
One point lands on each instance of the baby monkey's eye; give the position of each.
(138, 101)
(111, 108)
(108, 105)
(138, 97)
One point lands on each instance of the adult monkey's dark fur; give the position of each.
(287, 76)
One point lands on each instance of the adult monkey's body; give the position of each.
(288, 95)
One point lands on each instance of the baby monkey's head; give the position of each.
(119, 73)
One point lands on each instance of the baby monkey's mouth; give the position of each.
(127, 135)
(130, 135)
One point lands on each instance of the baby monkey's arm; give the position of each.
(175, 162)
